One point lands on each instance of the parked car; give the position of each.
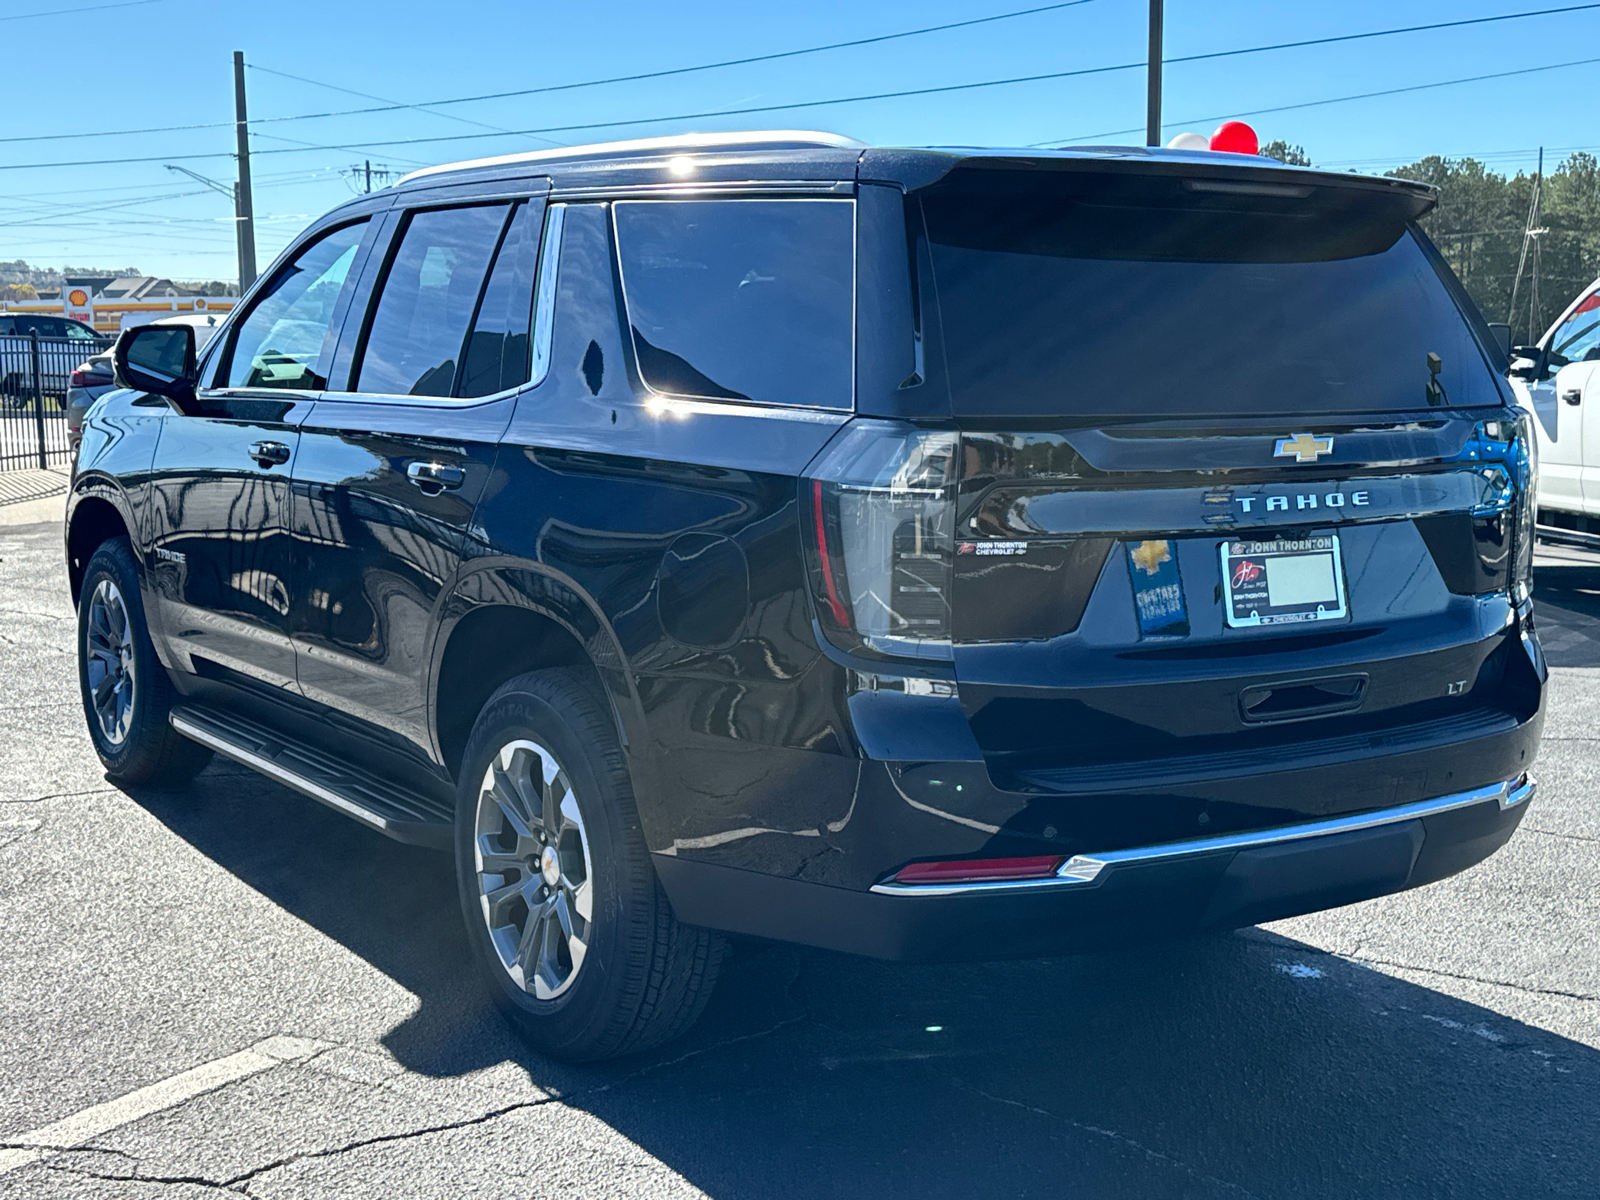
(64, 342)
(93, 377)
(930, 554)
(1555, 381)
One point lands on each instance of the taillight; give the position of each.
(1524, 464)
(87, 379)
(879, 508)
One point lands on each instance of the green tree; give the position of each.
(1295, 156)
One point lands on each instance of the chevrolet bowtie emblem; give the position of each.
(1303, 447)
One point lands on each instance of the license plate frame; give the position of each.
(1301, 592)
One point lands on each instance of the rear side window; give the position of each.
(415, 343)
(742, 299)
(279, 343)
(1077, 294)
(497, 352)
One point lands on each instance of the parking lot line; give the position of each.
(72, 1131)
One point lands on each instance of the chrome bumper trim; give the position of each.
(1086, 869)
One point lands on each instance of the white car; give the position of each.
(1558, 380)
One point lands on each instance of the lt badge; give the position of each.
(1157, 589)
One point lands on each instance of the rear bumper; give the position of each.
(1165, 890)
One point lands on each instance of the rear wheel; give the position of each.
(125, 690)
(568, 924)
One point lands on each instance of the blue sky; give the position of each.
(168, 63)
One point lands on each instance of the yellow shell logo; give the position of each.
(78, 297)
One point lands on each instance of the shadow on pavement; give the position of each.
(1567, 613)
(1240, 1065)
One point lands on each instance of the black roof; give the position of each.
(793, 156)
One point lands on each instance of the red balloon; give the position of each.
(1235, 137)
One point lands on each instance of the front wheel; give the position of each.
(125, 690)
(568, 924)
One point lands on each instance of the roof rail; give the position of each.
(773, 139)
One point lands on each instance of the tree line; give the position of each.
(1479, 226)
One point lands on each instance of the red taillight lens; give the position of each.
(879, 508)
(979, 870)
(87, 379)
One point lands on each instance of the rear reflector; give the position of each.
(979, 870)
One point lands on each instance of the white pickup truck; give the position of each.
(1558, 380)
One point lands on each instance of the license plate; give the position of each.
(1283, 582)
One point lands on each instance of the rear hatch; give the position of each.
(1230, 482)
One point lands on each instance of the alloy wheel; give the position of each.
(109, 659)
(531, 855)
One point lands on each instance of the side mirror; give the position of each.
(1502, 335)
(1530, 363)
(158, 359)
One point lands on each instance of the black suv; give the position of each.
(917, 553)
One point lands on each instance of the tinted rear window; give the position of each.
(742, 299)
(1118, 297)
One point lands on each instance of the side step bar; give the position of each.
(405, 814)
(1555, 535)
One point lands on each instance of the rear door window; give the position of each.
(742, 299)
(279, 344)
(418, 335)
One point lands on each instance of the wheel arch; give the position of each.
(95, 518)
(506, 620)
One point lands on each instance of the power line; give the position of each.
(385, 100)
(1085, 71)
(1256, 112)
(395, 106)
(905, 93)
(62, 12)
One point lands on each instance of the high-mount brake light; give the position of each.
(979, 870)
(879, 508)
(1235, 137)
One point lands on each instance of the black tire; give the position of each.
(644, 977)
(150, 750)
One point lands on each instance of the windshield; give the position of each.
(1091, 296)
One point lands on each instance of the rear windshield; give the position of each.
(1100, 295)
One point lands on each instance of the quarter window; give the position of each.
(742, 299)
(280, 344)
(414, 347)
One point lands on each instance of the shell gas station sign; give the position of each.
(79, 305)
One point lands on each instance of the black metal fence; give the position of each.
(34, 376)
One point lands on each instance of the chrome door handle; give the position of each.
(434, 477)
(1572, 395)
(269, 454)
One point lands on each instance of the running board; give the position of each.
(1557, 536)
(400, 812)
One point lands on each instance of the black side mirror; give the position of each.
(158, 359)
(1529, 362)
(1502, 335)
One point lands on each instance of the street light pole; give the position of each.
(1152, 120)
(246, 206)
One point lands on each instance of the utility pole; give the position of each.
(231, 191)
(1152, 120)
(246, 205)
(1533, 288)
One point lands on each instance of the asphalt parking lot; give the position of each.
(229, 988)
